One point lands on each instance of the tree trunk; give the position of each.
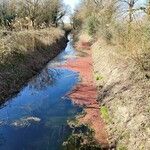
(131, 5)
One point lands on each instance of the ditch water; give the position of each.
(36, 118)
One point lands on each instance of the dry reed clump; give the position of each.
(25, 42)
(23, 53)
(135, 45)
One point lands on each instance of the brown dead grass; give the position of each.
(22, 54)
(124, 90)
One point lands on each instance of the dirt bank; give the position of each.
(124, 92)
(85, 93)
(25, 55)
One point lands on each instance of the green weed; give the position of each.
(105, 113)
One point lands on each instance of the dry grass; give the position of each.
(25, 40)
(135, 45)
(23, 53)
(124, 90)
(121, 53)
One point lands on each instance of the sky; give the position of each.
(72, 4)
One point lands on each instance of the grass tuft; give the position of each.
(105, 113)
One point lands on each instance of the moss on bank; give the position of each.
(23, 54)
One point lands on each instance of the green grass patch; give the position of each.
(98, 77)
(122, 148)
(105, 113)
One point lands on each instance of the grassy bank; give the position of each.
(120, 31)
(124, 93)
(24, 53)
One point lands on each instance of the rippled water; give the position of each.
(36, 118)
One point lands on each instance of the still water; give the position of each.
(36, 118)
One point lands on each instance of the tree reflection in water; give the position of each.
(46, 78)
(2, 139)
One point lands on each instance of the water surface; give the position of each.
(36, 118)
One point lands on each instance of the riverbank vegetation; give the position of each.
(30, 35)
(119, 32)
(125, 24)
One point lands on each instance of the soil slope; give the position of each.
(125, 92)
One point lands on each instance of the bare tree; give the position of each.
(48, 12)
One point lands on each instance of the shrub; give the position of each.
(92, 25)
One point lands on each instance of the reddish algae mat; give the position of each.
(85, 93)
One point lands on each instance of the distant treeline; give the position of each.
(26, 14)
